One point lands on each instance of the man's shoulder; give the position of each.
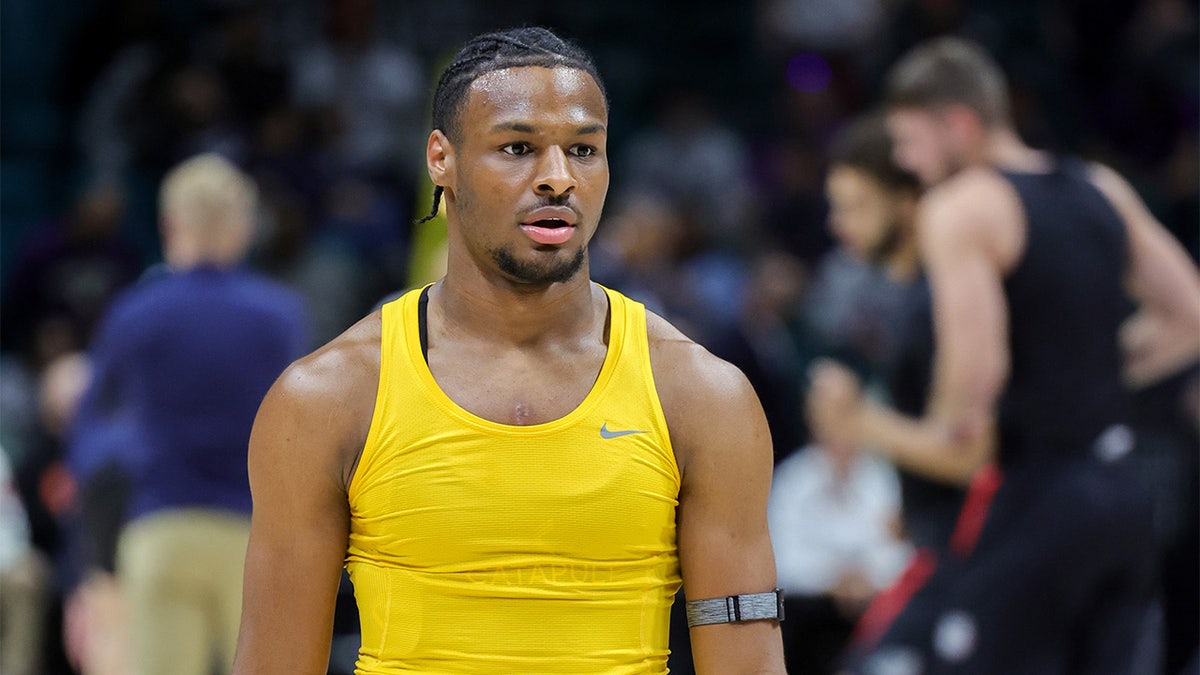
(677, 355)
(978, 203)
(346, 366)
(271, 293)
(688, 376)
(968, 187)
(144, 299)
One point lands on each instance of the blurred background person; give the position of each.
(876, 303)
(1029, 258)
(22, 584)
(873, 210)
(65, 275)
(180, 365)
(862, 294)
(833, 515)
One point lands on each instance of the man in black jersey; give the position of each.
(1029, 259)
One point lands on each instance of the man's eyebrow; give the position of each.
(514, 126)
(522, 127)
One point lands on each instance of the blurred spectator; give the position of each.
(187, 110)
(23, 574)
(698, 162)
(645, 250)
(638, 249)
(365, 93)
(822, 25)
(96, 627)
(65, 275)
(855, 310)
(180, 365)
(154, 103)
(794, 205)
(832, 515)
(767, 343)
(333, 280)
(255, 78)
(871, 304)
(859, 297)
(47, 494)
(114, 50)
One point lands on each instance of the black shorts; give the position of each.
(1052, 572)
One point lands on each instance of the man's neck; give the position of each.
(1004, 149)
(903, 264)
(505, 311)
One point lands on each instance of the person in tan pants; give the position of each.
(180, 364)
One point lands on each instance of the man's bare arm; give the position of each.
(1163, 336)
(301, 457)
(970, 233)
(724, 447)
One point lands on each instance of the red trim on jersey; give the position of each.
(975, 509)
(886, 606)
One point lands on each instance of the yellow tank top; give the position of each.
(478, 547)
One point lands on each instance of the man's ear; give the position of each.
(964, 121)
(439, 159)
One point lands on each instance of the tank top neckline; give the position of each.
(417, 350)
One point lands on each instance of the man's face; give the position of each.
(862, 213)
(530, 171)
(924, 144)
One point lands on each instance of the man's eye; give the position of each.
(583, 151)
(517, 149)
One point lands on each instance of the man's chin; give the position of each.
(539, 272)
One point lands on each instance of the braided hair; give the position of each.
(489, 52)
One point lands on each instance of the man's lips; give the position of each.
(544, 232)
(563, 213)
(549, 224)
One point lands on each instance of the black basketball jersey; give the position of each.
(930, 507)
(1066, 302)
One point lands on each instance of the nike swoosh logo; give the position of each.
(605, 433)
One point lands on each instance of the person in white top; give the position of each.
(833, 515)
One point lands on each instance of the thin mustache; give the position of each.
(562, 200)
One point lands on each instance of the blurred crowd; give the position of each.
(721, 124)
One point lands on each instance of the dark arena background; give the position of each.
(722, 116)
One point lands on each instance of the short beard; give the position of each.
(537, 273)
(887, 244)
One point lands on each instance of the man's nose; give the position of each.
(554, 173)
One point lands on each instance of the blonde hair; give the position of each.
(950, 70)
(207, 207)
(207, 193)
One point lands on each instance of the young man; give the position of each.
(517, 466)
(1028, 258)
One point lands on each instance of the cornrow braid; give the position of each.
(437, 203)
(513, 48)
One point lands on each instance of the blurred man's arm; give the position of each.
(721, 439)
(970, 233)
(302, 451)
(1163, 337)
